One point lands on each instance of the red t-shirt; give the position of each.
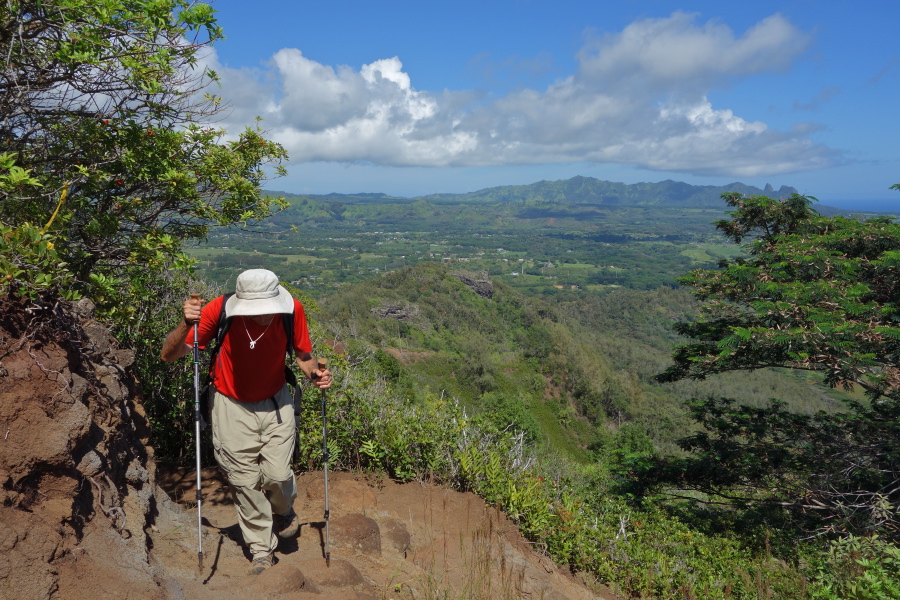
(250, 375)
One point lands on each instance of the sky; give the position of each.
(412, 98)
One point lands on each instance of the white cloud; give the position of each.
(676, 52)
(313, 96)
(638, 97)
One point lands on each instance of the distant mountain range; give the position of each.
(576, 191)
(590, 191)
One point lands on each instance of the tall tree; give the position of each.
(109, 164)
(814, 293)
(107, 159)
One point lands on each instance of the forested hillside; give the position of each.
(568, 373)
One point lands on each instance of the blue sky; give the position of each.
(411, 98)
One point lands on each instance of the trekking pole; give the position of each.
(197, 437)
(323, 363)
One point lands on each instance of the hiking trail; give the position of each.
(88, 514)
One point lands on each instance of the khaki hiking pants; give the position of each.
(254, 451)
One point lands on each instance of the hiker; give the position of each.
(252, 410)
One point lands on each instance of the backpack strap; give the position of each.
(287, 319)
(223, 325)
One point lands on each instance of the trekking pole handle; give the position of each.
(196, 334)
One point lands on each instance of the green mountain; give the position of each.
(577, 190)
(664, 208)
(594, 192)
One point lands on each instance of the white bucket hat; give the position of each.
(257, 293)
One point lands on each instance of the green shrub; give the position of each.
(857, 568)
(510, 412)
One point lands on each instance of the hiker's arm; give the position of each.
(174, 346)
(310, 367)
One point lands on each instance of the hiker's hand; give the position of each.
(322, 378)
(192, 307)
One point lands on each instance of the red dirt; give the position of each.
(408, 357)
(388, 540)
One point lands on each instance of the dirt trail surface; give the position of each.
(87, 514)
(388, 540)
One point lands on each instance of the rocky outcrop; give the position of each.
(783, 192)
(400, 311)
(478, 281)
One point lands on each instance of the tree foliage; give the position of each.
(107, 159)
(109, 164)
(816, 294)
